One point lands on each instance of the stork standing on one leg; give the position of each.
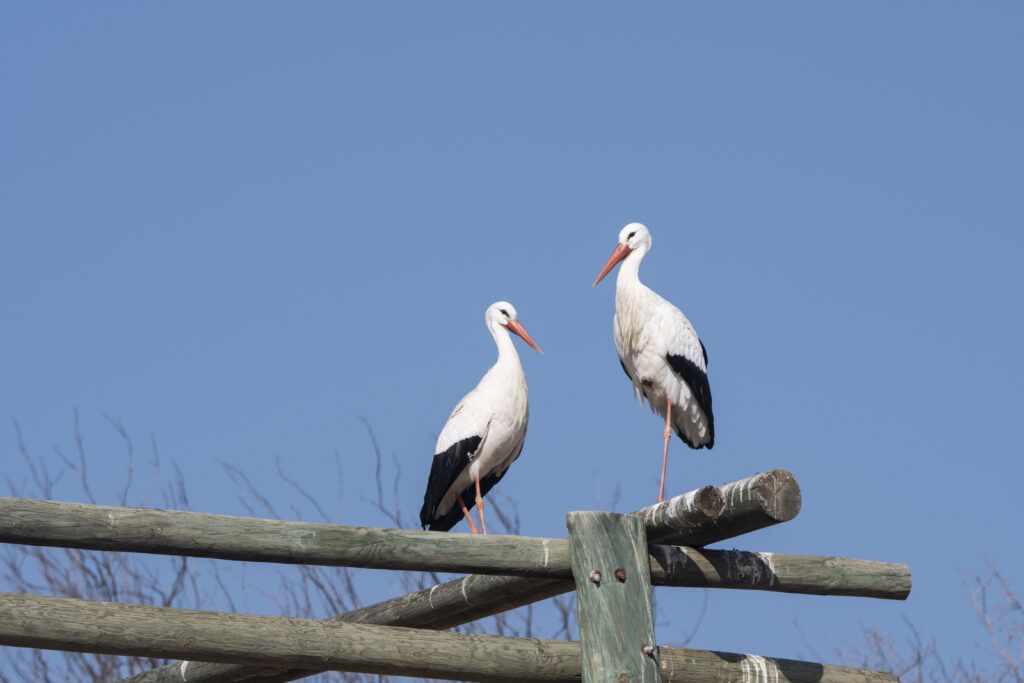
(483, 435)
(659, 350)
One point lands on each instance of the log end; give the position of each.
(683, 513)
(778, 494)
(904, 584)
(709, 501)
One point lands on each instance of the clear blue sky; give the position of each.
(240, 226)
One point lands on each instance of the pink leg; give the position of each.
(664, 456)
(480, 506)
(465, 511)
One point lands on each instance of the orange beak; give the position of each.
(621, 252)
(515, 326)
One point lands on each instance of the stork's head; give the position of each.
(504, 314)
(633, 237)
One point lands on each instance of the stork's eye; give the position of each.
(630, 236)
(504, 312)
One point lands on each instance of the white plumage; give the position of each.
(484, 434)
(659, 349)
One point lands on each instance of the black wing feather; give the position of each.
(697, 380)
(468, 496)
(446, 468)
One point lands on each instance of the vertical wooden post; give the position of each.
(613, 592)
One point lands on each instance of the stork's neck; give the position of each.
(508, 357)
(628, 277)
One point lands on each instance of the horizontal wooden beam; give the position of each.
(777, 572)
(683, 516)
(680, 665)
(225, 537)
(749, 504)
(692, 516)
(172, 532)
(475, 597)
(145, 631)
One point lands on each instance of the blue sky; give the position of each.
(240, 227)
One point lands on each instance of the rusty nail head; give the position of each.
(595, 576)
(648, 650)
(623, 678)
(620, 574)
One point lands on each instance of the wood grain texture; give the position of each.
(613, 597)
(239, 538)
(679, 665)
(474, 597)
(110, 628)
(278, 642)
(455, 603)
(749, 504)
(683, 515)
(225, 537)
(777, 572)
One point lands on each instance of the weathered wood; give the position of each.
(749, 504)
(443, 606)
(807, 574)
(683, 515)
(474, 597)
(613, 597)
(110, 628)
(679, 665)
(240, 538)
(456, 602)
(144, 631)
(225, 537)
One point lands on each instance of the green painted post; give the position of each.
(613, 591)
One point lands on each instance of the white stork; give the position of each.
(483, 435)
(659, 350)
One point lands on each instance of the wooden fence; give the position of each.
(610, 560)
